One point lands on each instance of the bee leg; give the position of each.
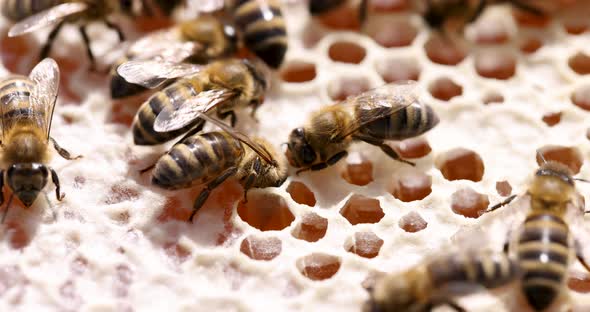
(1, 187)
(363, 11)
(210, 186)
(88, 48)
(63, 152)
(478, 10)
(255, 107)
(251, 177)
(47, 46)
(501, 204)
(58, 194)
(232, 117)
(580, 256)
(323, 165)
(116, 28)
(528, 8)
(385, 148)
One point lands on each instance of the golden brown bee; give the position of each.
(261, 26)
(438, 13)
(210, 158)
(435, 282)
(389, 112)
(196, 41)
(319, 7)
(544, 246)
(222, 85)
(26, 109)
(41, 13)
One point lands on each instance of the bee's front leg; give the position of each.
(58, 194)
(63, 152)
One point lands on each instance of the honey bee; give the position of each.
(545, 245)
(35, 14)
(196, 41)
(320, 7)
(261, 24)
(438, 13)
(389, 112)
(210, 158)
(224, 85)
(434, 282)
(26, 110)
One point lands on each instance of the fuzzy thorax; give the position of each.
(24, 146)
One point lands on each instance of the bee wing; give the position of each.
(184, 110)
(259, 149)
(46, 18)
(153, 73)
(164, 45)
(378, 103)
(46, 78)
(208, 6)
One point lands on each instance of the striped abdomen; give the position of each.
(404, 123)
(484, 268)
(543, 254)
(143, 124)
(197, 159)
(16, 10)
(15, 99)
(120, 88)
(263, 29)
(322, 6)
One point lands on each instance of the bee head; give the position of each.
(26, 181)
(299, 152)
(392, 293)
(553, 182)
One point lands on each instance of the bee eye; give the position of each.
(127, 4)
(308, 154)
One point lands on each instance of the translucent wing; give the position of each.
(207, 6)
(45, 77)
(153, 73)
(259, 149)
(378, 103)
(164, 45)
(185, 110)
(47, 18)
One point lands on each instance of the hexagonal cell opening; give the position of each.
(581, 97)
(491, 31)
(531, 45)
(301, 194)
(461, 164)
(298, 71)
(493, 98)
(344, 17)
(569, 156)
(318, 266)
(469, 203)
(261, 248)
(445, 52)
(579, 283)
(552, 119)
(347, 52)
(580, 63)
(413, 148)
(361, 209)
(312, 227)
(359, 172)
(393, 33)
(364, 244)
(495, 64)
(340, 89)
(265, 211)
(398, 69)
(503, 188)
(445, 89)
(412, 222)
(411, 185)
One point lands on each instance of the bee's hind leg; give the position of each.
(580, 255)
(251, 177)
(116, 28)
(88, 48)
(63, 152)
(47, 46)
(385, 148)
(207, 191)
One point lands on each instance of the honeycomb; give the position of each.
(516, 85)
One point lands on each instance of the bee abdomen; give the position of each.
(18, 90)
(197, 159)
(483, 268)
(264, 29)
(16, 10)
(543, 254)
(143, 124)
(120, 88)
(321, 6)
(405, 123)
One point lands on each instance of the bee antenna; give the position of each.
(7, 207)
(542, 157)
(582, 180)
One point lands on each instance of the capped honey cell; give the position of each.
(364, 244)
(461, 164)
(318, 266)
(311, 228)
(261, 248)
(361, 209)
(469, 203)
(266, 212)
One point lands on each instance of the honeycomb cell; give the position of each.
(120, 193)
(411, 186)
(581, 97)
(364, 244)
(445, 89)
(490, 31)
(394, 33)
(346, 52)
(318, 266)
(503, 188)
(580, 63)
(579, 283)
(17, 235)
(360, 173)
(261, 248)
(493, 98)
(495, 64)
(384, 6)
(551, 119)
(340, 89)
(443, 51)
(461, 164)
(312, 227)
(412, 222)
(301, 194)
(344, 17)
(177, 253)
(531, 45)
(361, 209)
(528, 19)
(398, 69)
(469, 203)
(265, 211)
(569, 156)
(413, 148)
(575, 27)
(298, 71)
(12, 50)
